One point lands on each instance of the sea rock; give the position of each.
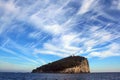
(71, 64)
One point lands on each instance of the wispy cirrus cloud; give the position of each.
(115, 4)
(86, 6)
(18, 51)
(113, 50)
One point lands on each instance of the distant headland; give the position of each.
(71, 64)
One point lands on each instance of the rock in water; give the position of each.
(72, 64)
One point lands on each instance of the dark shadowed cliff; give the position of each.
(72, 64)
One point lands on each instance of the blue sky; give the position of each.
(36, 32)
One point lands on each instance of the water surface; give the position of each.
(36, 76)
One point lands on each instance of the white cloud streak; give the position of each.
(86, 6)
(113, 50)
(20, 56)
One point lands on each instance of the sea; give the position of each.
(50, 76)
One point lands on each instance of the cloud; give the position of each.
(9, 12)
(9, 7)
(77, 43)
(21, 57)
(20, 52)
(49, 52)
(113, 50)
(86, 6)
(54, 29)
(60, 46)
(115, 4)
(51, 18)
(5, 43)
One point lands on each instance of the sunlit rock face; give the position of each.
(72, 64)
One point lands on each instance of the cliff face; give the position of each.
(72, 64)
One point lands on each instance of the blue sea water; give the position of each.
(35, 76)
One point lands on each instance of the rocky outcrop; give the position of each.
(72, 64)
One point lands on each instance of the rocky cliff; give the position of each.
(72, 64)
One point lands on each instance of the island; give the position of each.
(71, 64)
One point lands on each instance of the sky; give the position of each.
(37, 32)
